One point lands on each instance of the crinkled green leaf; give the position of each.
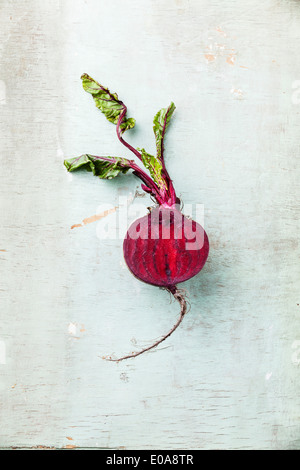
(103, 167)
(154, 166)
(161, 122)
(108, 103)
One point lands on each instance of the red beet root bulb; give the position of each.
(165, 248)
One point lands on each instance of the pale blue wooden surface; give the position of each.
(229, 376)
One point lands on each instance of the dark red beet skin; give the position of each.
(165, 248)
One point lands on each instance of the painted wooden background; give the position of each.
(229, 376)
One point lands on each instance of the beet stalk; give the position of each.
(163, 248)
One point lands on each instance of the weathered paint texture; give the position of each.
(229, 376)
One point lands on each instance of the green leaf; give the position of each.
(108, 103)
(154, 166)
(103, 167)
(161, 122)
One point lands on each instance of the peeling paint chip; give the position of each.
(230, 59)
(210, 57)
(72, 329)
(94, 218)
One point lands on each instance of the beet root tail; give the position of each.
(179, 296)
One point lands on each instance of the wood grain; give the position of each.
(229, 376)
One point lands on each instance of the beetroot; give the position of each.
(156, 248)
(163, 248)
